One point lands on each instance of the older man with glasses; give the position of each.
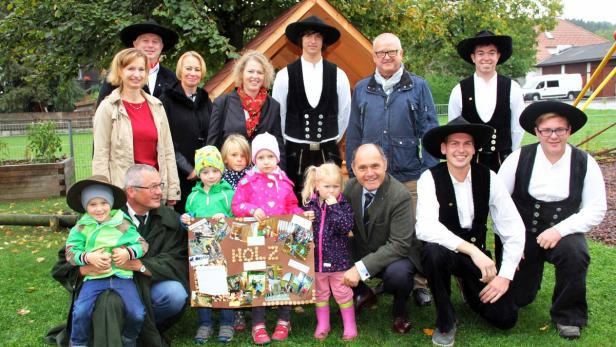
(560, 194)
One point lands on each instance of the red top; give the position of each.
(145, 135)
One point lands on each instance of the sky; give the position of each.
(590, 10)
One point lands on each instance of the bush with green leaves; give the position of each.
(43, 141)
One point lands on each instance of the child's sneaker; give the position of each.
(203, 334)
(282, 330)
(259, 335)
(240, 321)
(225, 334)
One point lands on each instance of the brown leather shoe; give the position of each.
(364, 300)
(401, 325)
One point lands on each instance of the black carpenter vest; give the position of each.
(501, 118)
(541, 215)
(302, 120)
(448, 208)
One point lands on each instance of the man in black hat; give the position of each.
(153, 39)
(454, 199)
(315, 100)
(559, 191)
(489, 98)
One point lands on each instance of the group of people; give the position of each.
(403, 217)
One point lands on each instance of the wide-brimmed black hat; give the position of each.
(131, 32)
(294, 30)
(481, 134)
(576, 117)
(502, 42)
(73, 196)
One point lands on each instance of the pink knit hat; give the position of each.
(265, 141)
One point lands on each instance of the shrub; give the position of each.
(43, 141)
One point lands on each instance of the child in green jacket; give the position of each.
(210, 198)
(105, 239)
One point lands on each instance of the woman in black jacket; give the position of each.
(188, 108)
(248, 110)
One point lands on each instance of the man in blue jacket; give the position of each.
(394, 109)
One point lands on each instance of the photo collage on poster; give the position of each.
(241, 262)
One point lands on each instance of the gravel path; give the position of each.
(606, 231)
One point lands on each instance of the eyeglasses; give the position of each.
(153, 187)
(391, 54)
(547, 132)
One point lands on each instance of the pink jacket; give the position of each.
(273, 193)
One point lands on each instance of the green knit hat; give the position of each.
(208, 156)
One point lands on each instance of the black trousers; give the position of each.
(397, 280)
(571, 259)
(301, 155)
(439, 265)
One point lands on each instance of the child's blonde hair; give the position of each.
(236, 141)
(316, 173)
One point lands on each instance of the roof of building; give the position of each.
(578, 55)
(352, 53)
(564, 34)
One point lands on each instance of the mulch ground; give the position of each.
(606, 231)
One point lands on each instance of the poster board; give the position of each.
(240, 262)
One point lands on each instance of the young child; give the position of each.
(105, 238)
(210, 198)
(266, 191)
(333, 219)
(236, 155)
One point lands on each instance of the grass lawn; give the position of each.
(28, 253)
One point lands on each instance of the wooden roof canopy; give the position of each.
(352, 53)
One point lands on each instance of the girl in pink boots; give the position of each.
(333, 220)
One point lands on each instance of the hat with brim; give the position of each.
(73, 196)
(434, 137)
(314, 23)
(576, 117)
(131, 32)
(485, 37)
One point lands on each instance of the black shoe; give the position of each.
(422, 296)
(364, 300)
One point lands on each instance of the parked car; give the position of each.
(552, 87)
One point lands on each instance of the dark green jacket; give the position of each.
(389, 234)
(166, 259)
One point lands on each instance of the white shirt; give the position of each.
(132, 215)
(359, 265)
(485, 102)
(507, 221)
(550, 182)
(313, 85)
(152, 78)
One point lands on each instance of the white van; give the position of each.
(552, 87)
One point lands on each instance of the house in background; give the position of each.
(564, 36)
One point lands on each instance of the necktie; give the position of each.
(367, 200)
(141, 219)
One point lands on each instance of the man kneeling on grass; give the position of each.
(454, 199)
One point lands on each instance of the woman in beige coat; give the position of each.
(131, 127)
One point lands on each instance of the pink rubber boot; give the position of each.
(348, 320)
(322, 311)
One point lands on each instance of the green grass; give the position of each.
(28, 253)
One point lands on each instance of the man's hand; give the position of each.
(351, 277)
(485, 265)
(495, 289)
(259, 214)
(186, 219)
(132, 265)
(120, 255)
(99, 258)
(549, 238)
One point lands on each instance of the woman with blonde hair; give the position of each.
(248, 110)
(188, 109)
(131, 127)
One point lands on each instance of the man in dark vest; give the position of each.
(153, 39)
(489, 98)
(161, 276)
(454, 199)
(559, 191)
(315, 100)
